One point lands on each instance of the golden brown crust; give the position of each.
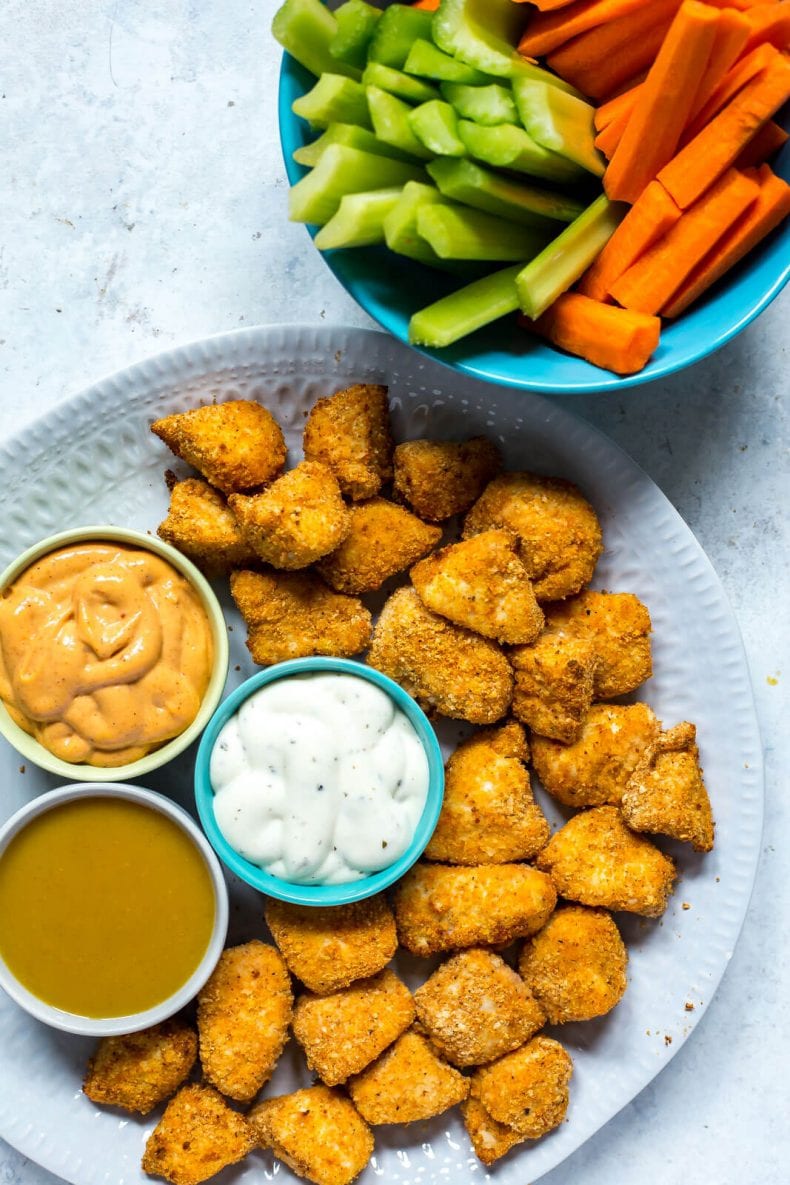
(202, 527)
(554, 679)
(618, 625)
(198, 1136)
(383, 539)
(408, 1082)
(527, 1090)
(236, 445)
(138, 1071)
(439, 479)
(666, 793)
(350, 432)
(317, 1132)
(490, 1140)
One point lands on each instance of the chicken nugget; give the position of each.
(317, 1132)
(198, 1136)
(439, 479)
(597, 860)
(382, 539)
(201, 525)
(666, 793)
(142, 1069)
(618, 625)
(559, 536)
(489, 815)
(350, 432)
(446, 668)
(236, 445)
(438, 907)
(576, 965)
(328, 947)
(297, 519)
(482, 584)
(344, 1032)
(528, 1089)
(408, 1082)
(243, 1015)
(490, 1139)
(595, 769)
(474, 1008)
(554, 679)
(294, 614)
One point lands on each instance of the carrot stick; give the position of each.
(653, 280)
(547, 5)
(741, 5)
(768, 140)
(648, 220)
(735, 80)
(551, 30)
(427, 5)
(732, 33)
(607, 140)
(716, 147)
(771, 207)
(609, 111)
(662, 108)
(769, 23)
(616, 339)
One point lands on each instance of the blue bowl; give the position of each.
(390, 289)
(273, 886)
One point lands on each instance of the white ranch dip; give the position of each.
(319, 779)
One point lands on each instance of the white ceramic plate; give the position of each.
(93, 460)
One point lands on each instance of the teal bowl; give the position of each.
(274, 886)
(390, 289)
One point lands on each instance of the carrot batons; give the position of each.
(616, 339)
(744, 70)
(607, 140)
(548, 32)
(769, 23)
(427, 5)
(732, 33)
(768, 140)
(652, 215)
(623, 104)
(547, 5)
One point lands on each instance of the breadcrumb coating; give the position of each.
(138, 1071)
(489, 815)
(439, 479)
(294, 614)
(446, 668)
(481, 584)
(528, 1089)
(554, 680)
(350, 432)
(597, 860)
(317, 1132)
(618, 625)
(408, 1082)
(439, 907)
(328, 947)
(558, 531)
(383, 539)
(576, 965)
(236, 445)
(200, 524)
(475, 1008)
(198, 1136)
(666, 793)
(243, 1015)
(490, 1140)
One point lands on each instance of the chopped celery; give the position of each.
(305, 29)
(429, 62)
(467, 182)
(466, 310)
(560, 122)
(359, 220)
(457, 233)
(395, 82)
(508, 146)
(488, 105)
(436, 126)
(391, 122)
(353, 137)
(343, 170)
(334, 99)
(400, 225)
(399, 26)
(569, 255)
(356, 21)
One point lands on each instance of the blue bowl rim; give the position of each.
(319, 895)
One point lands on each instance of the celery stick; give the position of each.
(466, 310)
(356, 22)
(508, 146)
(569, 255)
(359, 220)
(467, 182)
(343, 170)
(429, 62)
(334, 99)
(395, 82)
(391, 123)
(560, 122)
(488, 105)
(400, 225)
(305, 29)
(457, 233)
(436, 126)
(351, 136)
(399, 26)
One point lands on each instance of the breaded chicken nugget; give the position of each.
(294, 614)
(576, 965)
(140, 1070)
(618, 625)
(446, 668)
(488, 814)
(558, 532)
(344, 1032)
(528, 1089)
(482, 584)
(666, 793)
(198, 1136)
(317, 1132)
(595, 769)
(243, 1015)
(443, 908)
(328, 947)
(554, 680)
(236, 445)
(382, 539)
(350, 432)
(439, 479)
(200, 524)
(490, 1139)
(597, 860)
(475, 1008)
(298, 519)
(408, 1082)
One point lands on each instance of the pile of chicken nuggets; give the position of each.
(498, 628)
